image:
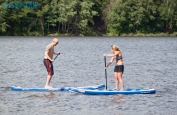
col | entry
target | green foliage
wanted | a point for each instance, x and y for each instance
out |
(65, 17)
(71, 15)
(3, 23)
(146, 16)
(86, 15)
(126, 16)
(88, 32)
(168, 14)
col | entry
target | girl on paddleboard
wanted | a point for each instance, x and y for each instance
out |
(119, 67)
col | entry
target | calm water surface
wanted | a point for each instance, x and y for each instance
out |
(149, 63)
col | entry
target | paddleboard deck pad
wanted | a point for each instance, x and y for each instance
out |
(16, 88)
(113, 92)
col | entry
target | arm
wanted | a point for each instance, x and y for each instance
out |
(57, 53)
(110, 62)
(116, 53)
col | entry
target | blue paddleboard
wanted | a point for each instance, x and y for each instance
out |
(15, 88)
(113, 92)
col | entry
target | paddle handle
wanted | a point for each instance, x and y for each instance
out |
(105, 71)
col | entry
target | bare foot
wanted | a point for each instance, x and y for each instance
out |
(48, 86)
(115, 89)
(121, 89)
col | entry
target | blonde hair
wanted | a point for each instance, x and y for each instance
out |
(55, 40)
(115, 48)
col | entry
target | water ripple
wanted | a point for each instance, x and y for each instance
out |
(149, 63)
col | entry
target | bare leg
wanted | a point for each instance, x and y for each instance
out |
(48, 82)
(116, 81)
(121, 80)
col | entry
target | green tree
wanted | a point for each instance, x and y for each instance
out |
(41, 12)
(3, 23)
(168, 13)
(71, 15)
(67, 12)
(86, 15)
(146, 16)
(126, 16)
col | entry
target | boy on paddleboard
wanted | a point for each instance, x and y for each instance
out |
(119, 67)
(48, 59)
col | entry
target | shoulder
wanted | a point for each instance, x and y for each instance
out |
(120, 53)
(48, 47)
(117, 52)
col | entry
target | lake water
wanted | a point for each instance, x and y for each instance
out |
(150, 62)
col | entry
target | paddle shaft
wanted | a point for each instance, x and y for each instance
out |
(56, 56)
(105, 71)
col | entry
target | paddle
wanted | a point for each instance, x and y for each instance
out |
(105, 71)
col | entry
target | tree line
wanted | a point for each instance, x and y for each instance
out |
(87, 17)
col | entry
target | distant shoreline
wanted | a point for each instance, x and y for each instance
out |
(103, 35)
(123, 35)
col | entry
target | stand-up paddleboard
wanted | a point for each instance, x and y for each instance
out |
(113, 92)
(15, 88)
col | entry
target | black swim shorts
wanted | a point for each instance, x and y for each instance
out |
(119, 68)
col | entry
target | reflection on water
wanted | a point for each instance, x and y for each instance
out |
(49, 95)
(118, 99)
(149, 62)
